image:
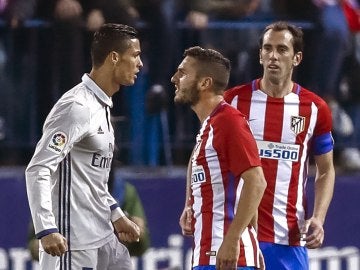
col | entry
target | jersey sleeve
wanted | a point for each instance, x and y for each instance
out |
(323, 141)
(238, 144)
(66, 124)
(116, 211)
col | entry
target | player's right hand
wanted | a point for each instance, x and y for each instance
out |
(185, 221)
(127, 230)
(54, 244)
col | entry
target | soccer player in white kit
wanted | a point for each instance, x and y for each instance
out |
(289, 123)
(227, 181)
(73, 213)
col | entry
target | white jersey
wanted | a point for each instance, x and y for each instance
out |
(67, 177)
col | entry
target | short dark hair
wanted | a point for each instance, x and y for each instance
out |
(213, 64)
(110, 37)
(297, 33)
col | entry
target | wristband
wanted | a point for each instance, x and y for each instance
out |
(116, 214)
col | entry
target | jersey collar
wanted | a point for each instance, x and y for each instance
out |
(256, 86)
(99, 93)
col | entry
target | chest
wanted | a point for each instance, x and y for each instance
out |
(99, 139)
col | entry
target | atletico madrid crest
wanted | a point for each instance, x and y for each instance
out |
(297, 124)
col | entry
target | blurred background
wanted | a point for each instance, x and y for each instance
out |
(44, 50)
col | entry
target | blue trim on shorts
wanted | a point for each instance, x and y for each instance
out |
(284, 257)
(213, 267)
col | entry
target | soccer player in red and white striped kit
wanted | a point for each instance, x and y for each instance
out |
(227, 181)
(289, 123)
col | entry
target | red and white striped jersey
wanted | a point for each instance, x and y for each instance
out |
(225, 148)
(286, 130)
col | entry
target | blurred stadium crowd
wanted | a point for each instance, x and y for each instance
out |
(44, 50)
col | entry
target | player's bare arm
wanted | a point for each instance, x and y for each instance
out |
(324, 188)
(185, 218)
(251, 194)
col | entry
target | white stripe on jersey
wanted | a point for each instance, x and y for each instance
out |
(218, 199)
(257, 112)
(249, 251)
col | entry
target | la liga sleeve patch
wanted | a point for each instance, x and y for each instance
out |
(57, 142)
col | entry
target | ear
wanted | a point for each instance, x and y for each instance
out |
(297, 59)
(114, 56)
(206, 82)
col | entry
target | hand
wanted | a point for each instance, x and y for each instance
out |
(228, 254)
(314, 233)
(55, 244)
(127, 231)
(185, 221)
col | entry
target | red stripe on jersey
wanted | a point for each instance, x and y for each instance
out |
(242, 259)
(244, 104)
(272, 132)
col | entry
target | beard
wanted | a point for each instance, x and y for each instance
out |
(188, 96)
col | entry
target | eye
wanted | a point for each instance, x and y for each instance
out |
(283, 49)
(267, 48)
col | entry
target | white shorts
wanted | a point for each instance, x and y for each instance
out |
(112, 256)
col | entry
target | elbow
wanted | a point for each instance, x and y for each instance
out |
(262, 185)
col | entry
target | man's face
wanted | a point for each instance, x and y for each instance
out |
(185, 81)
(277, 55)
(129, 64)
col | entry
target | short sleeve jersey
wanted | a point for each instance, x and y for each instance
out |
(225, 148)
(286, 130)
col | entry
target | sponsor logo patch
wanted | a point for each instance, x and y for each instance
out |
(57, 142)
(197, 175)
(279, 151)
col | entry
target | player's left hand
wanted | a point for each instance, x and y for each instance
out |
(227, 255)
(314, 233)
(127, 230)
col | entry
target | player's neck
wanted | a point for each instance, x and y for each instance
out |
(276, 89)
(206, 106)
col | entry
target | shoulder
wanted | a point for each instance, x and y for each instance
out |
(231, 93)
(310, 96)
(75, 105)
(306, 96)
(228, 116)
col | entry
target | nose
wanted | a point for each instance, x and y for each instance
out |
(140, 63)
(273, 54)
(173, 78)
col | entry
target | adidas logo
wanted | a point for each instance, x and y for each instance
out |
(100, 131)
